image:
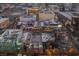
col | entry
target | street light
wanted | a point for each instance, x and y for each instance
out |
(59, 26)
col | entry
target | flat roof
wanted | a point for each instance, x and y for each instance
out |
(45, 16)
(3, 19)
(66, 14)
(69, 15)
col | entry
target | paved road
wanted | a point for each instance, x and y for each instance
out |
(36, 39)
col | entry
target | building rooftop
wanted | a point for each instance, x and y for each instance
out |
(69, 15)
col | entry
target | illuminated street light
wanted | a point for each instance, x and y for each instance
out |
(59, 25)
